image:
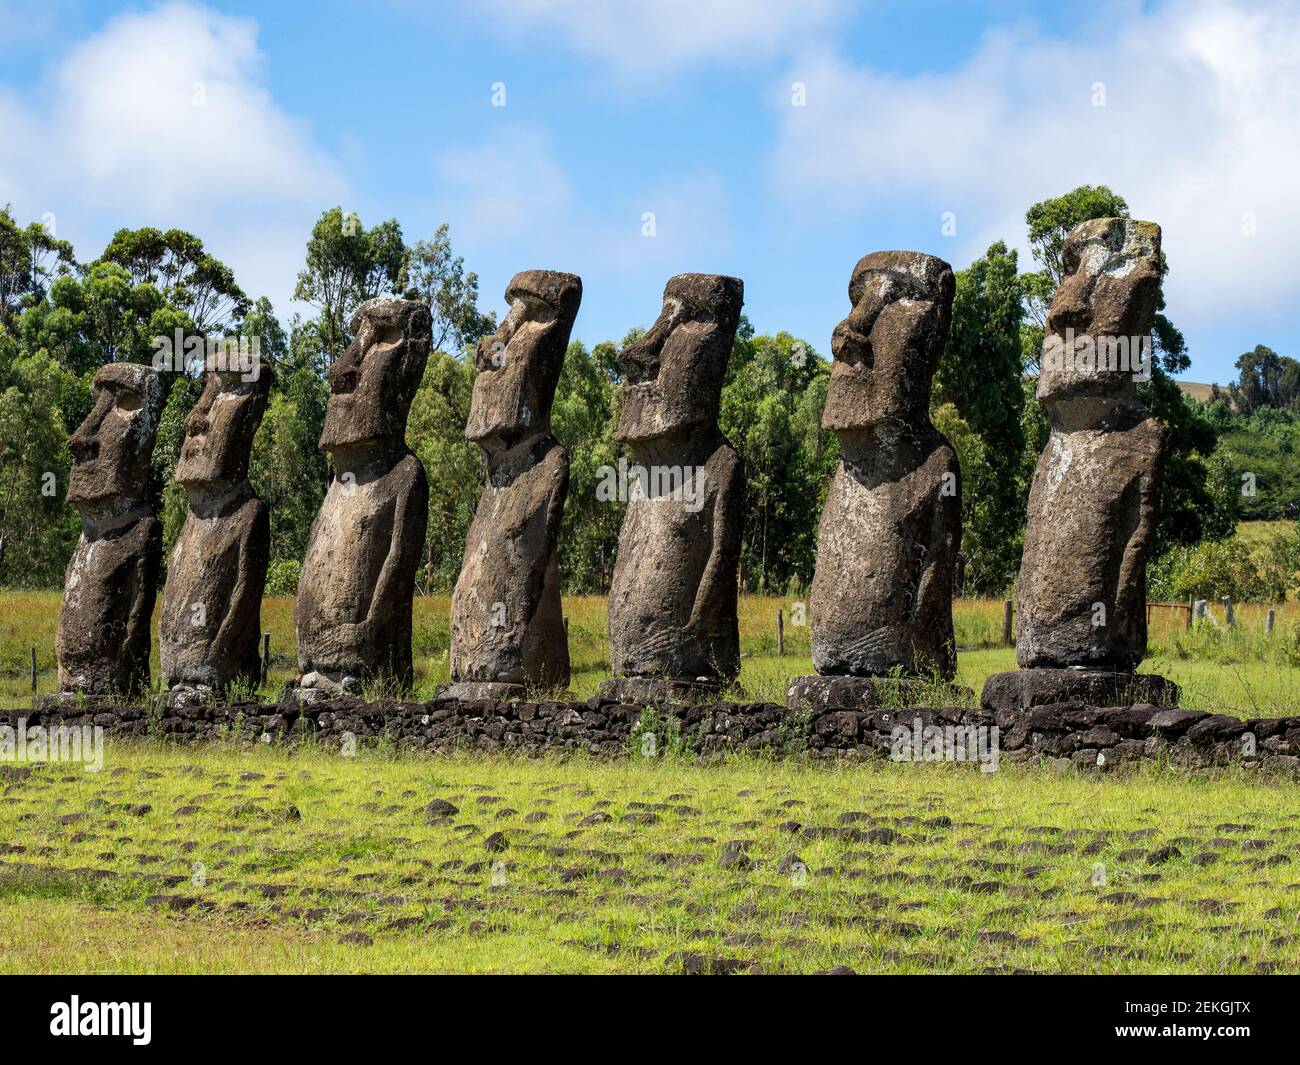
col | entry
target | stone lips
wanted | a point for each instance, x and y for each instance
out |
(881, 596)
(672, 599)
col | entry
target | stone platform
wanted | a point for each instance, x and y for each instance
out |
(654, 691)
(1065, 735)
(818, 693)
(1024, 688)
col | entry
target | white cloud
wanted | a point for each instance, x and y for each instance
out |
(162, 118)
(638, 37)
(1198, 131)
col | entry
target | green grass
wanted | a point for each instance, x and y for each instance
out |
(1035, 872)
(1238, 671)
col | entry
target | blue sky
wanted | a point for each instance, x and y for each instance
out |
(243, 121)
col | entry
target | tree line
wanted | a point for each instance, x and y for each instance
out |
(61, 319)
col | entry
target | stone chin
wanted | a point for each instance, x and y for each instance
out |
(341, 431)
(645, 416)
(93, 482)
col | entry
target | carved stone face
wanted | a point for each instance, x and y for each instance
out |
(1112, 283)
(673, 375)
(220, 427)
(112, 447)
(887, 350)
(519, 365)
(373, 382)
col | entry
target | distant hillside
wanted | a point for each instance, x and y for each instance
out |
(1200, 393)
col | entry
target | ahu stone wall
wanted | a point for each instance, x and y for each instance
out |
(1063, 735)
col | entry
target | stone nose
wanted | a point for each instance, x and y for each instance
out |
(84, 443)
(849, 344)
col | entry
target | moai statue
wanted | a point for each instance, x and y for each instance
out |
(880, 606)
(507, 625)
(673, 631)
(111, 585)
(353, 614)
(1081, 597)
(211, 610)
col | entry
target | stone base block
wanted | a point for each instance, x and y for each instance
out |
(468, 690)
(316, 686)
(1023, 688)
(181, 697)
(657, 690)
(818, 693)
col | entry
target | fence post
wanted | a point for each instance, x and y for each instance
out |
(1191, 607)
(1269, 621)
(1007, 611)
(1228, 615)
(33, 669)
(266, 657)
(780, 633)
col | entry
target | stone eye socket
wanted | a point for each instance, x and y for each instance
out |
(128, 402)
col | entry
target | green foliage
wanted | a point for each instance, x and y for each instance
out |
(436, 433)
(30, 259)
(175, 264)
(37, 531)
(1189, 512)
(431, 273)
(1267, 380)
(771, 412)
(584, 417)
(282, 577)
(980, 377)
(1228, 567)
(1265, 446)
(347, 264)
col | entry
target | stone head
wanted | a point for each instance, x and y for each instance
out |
(886, 351)
(673, 375)
(220, 427)
(519, 365)
(111, 449)
(374, 381)
(1107, 299)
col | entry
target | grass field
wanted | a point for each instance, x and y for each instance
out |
(1234, 671)
(217, 860)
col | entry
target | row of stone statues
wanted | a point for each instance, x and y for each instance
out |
(881, 599)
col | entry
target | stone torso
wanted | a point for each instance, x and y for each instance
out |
(672, 601)
(889, 534)
(109, 592)
(353, 614)
(210, 627)
(507, 623)
(1082, 594)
